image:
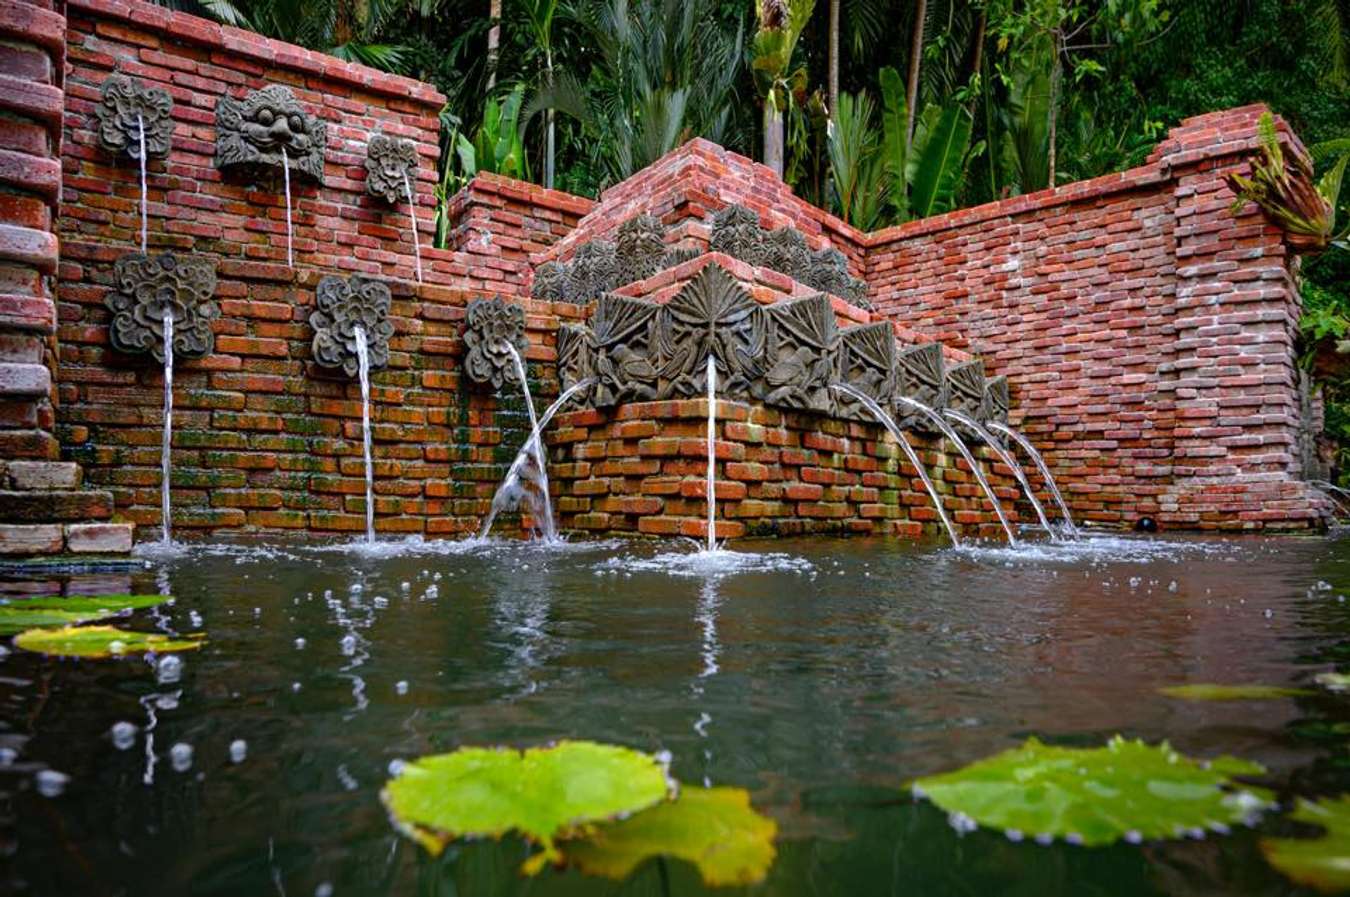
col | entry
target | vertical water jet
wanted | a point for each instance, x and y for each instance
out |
(140, 131)
(547, 530)
(165, 454)
(1042, 467)
(286, 180)
(363, 371)
(712, 454)
(412, 214)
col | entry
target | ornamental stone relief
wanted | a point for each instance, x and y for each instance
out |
(491, 327)
(641, 248)
(127, 111)
(920, 375)
(576, 354)
(391, 167)
(149, 288)
(340, 307)
(594, 270)
(865, 360)
(714, 316)
(799, 354)
(736, 232)
(966, 384)
(269, 128)
(996, 399)
(625, 359)
(550, 282)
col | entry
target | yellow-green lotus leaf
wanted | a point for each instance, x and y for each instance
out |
(540, 793)
(1207, 692)
(1322, 863)
(18, 615)
(102, 641)
(1095, 796)
(716, 829)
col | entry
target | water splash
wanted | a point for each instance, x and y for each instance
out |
(1043, 468)
(286, 178)
(975, 468)
(889, 423)
(1007, 458)
(510, 492)
(363, 369)
(166, 452)
(140, 129)
(412, 213)
(712, 454)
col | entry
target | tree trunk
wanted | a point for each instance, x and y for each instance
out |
(548, 124)
(834, 58)
(978, 59)
(773, 137)
(1056, 73)
(494, 41)
(915, 58)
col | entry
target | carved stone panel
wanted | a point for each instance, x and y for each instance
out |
(865, 360)
(996, 399)
(149, 288)
(921, 376)
(492, 325)
(829, 272)
(799, 356)
(550, 282)
(786, 251)
(641, 248)
(576, 354)
(127, 105)
(712, 315)
(340, 307)
(679, 255)
(391, 167)
(594, 270)
(625, 359)
(736, 232)
(252, 133)
(966, 388)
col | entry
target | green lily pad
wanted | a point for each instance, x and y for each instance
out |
(1206, 692)
(716, 829)
(1333, 682)
(16, 616)
(102, 641)
(1095, 796)
(1322, 863)
(540, 793)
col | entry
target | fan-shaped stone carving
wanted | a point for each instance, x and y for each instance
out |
(736, 232)
(786, 251)
(550, 282)
(594, 270)
(996, 399)
(680, 255)
(267, 127)
(391, 167)
(829, 272)
(126, 107)
(799, 356)
(865, 360)
(576, 354)
(624, 359)
(966, 388)
(149, 288)
(340, 307)
(640, 248)
(712, 315)
(920, 374)
(492, 326)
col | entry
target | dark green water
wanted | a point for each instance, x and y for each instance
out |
(820, 692)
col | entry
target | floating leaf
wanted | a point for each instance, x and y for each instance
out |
(1323, 863)
(1334, 682)
(16, 616)
(102, 641)
(714, 828)
(1206, 692)
(541, 793)
(1094, 796)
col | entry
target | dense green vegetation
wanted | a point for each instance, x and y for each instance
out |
(936, 104)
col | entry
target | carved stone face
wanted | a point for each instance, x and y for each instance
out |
(391, 166)
(267, 129)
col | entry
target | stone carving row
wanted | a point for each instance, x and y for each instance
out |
(340, 307)
(491, 327)
(788, 354)
(268, 129)
(391, 168)
(150, 288)
(130, 112)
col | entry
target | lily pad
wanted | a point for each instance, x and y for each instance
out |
(16, 616)
(102, 641)
(1334, 682)
(1323, 863)
(1207, 692)
(1096, 796)
(716, 829)
(541, 793)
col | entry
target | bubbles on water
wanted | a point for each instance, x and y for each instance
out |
(51, 783)
(348, 644)
(195, 619)
(961, 822)
(123, 735)
(300, 644)
(401, 686)
(396, 767)
(1134, 837)
(117, 647)
(295, 686)
(167, 702)
(707, 564)
(180, 756)
(323, 890)
(7, 756)
(4, 652)
(1268, 613)
(405, 585)
(169, 669)
(238, 750)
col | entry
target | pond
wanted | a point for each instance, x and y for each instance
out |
(821, 681)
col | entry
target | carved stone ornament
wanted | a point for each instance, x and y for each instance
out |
(576, 354)
(679, 255)
(493, 325)
(799, 355)
(340, 306)
(920, 374)
(594, 270)
(828, 271)
(391, 167)
(148, 288)
(736, 232)
(550, 282)
(786, 251)
(996, 399)
(625, 350)
(126, 106)
(966, 384)
(865, 360)
(253, 132)
(712, 315)
(641, 248)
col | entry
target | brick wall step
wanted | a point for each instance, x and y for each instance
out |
(27, 476)
(56, 506)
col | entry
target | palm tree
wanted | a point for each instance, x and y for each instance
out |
(780, 25)
(540, 13)
(494, 41)
(347, 29)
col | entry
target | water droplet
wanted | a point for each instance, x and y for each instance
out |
(166, 702)
(51, 783)
(238, 750)
(117, 646)
(405, 585)
(324, 890)
(8, 756)
(123, 735)
(401, 686)
(180, 755)
(295, 686)
(195, 619)
(1172, 586)
(169, 669)
(396, 766)
(349, 644)
(1134, 837)
(1268, 613)
(300, 644)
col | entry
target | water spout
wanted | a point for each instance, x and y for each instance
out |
(509, 488)
(166, 451)
(712, 454)
(1007, 458)
(286, 178)
(535, 445)
(412, 213)
(889, 423)
(363, 369)
(1042, 467)
(140, 126)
